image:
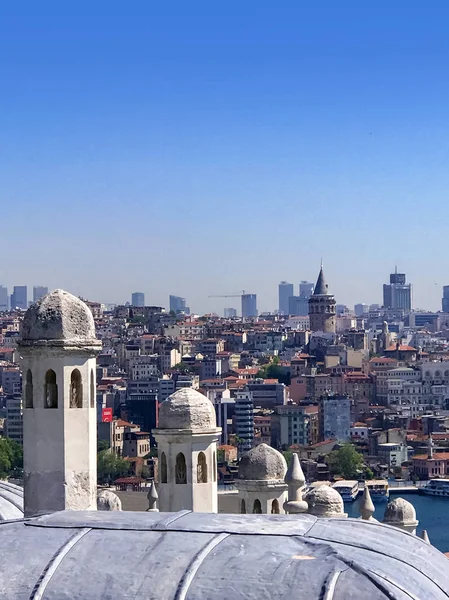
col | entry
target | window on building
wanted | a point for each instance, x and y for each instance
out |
(180, 469)
(29, 390)
(92, 389)
(76, 390)
(243, 507)
(257, 507)
(50, 390)
(275, 507)
(201, 468)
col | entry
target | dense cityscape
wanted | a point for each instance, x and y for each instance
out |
(306, 379)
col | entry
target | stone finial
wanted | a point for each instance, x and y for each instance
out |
(107, 500)
(152, 499)
(367, 506)
(425, 536)
(295, 480)
(400, 513)
(324, 501)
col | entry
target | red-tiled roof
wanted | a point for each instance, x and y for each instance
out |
(436, 456)
(402, 348)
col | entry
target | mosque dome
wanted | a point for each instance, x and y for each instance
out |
(324, 501)
(76, 554)
(262, 463)
(400, 512)
(58, 317)
(187, 409)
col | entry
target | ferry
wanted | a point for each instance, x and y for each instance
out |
(347, 489)
(378, 489)
(437, 487)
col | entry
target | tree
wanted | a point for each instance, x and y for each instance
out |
(183, 367)
(274, 371)
(11, 458)
(102, 445)
(346, 461)
(110, 466)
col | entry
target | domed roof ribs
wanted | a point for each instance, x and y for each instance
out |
(321, 288)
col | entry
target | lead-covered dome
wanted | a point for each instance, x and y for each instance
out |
(58, 317)
(262, 463)
(187, 409)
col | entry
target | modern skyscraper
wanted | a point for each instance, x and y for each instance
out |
(230, 313)
(285, 292)
(19, 297)
(398, 293)
(249, 305)
(178, 305)
(445, 300)
(138, 299)
(3, 298)
(298, 306)
(39, 291)
(322, 307)
(306, 289)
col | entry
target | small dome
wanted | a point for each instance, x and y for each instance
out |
(107, 500)
(58, 316)
(262, 463)
(324, 501)
(187, 409)
(400, 512)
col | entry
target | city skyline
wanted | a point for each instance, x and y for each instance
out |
(265, 303)
(300, 132)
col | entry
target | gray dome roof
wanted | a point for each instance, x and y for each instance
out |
(262, 463)
(11, 501)
(58, 317)
(400, 512)
(187, 409)
(324, 501)
(108, 554)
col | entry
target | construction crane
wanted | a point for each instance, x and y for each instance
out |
(229, 295)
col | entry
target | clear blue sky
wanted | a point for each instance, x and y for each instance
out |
(207, 147)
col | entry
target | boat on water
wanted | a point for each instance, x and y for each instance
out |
(378, 489)
(437, 487)
(347, 489)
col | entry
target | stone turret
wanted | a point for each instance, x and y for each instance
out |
(260, 482)
(58, 347)
(187, 448)
(324, 501)
(400, 513)
(367, 507)
(322, 307)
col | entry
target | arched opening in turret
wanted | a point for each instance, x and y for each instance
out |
(92, 389)
(243, 507)
(76, 390)
(215, 466)
(275, 507)
(201, 469)
(257, 507)
(163, 468)
(50, 390)
(29, 390)
(180, 469)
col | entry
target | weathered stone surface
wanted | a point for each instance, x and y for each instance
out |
(262, 463)
(400, 512)
(187, 409)
(58, 316)
(107, 500)
(324, 501)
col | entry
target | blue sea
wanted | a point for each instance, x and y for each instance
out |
(432, 514)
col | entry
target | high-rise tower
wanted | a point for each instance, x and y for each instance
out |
(322, 307)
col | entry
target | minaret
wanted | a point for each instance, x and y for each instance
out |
(59, 346)
(322, 307)
(187, 438)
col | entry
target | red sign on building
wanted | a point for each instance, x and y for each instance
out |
(106, 415)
